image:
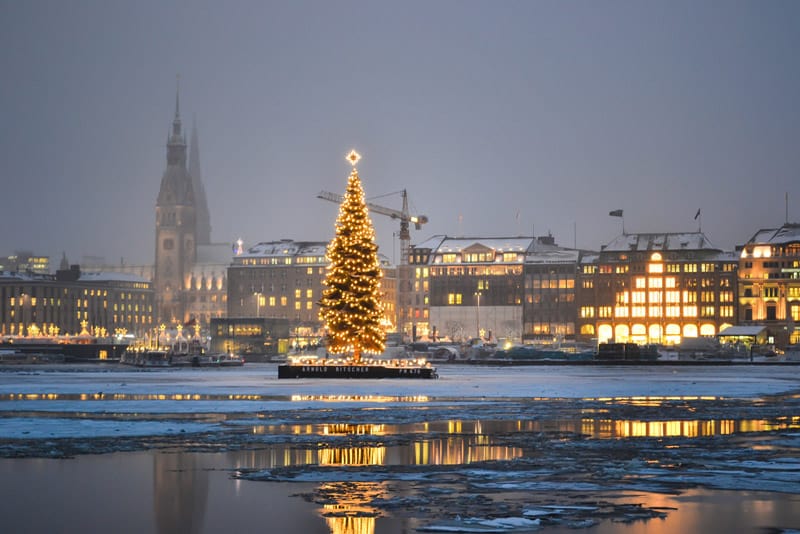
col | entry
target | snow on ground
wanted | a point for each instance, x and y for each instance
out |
(455, 381)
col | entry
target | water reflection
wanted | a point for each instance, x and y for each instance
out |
(352, 512)
(180, 492)
(476, 432)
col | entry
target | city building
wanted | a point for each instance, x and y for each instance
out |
(656, 288)
(24, 261)
(105, 303)
(254, 338)
(549, 307)
(476, 287)
(769, 283)
(283, 279)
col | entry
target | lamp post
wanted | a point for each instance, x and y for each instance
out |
(478, 314)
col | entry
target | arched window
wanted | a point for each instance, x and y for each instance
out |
(621, 333)
(587, 330)
(656, 333)
(673, 336)
(690, 330)
(707, 330)
(604, 333)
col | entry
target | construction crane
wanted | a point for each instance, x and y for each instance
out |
(403, 215)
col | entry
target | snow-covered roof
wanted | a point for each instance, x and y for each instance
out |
(788, 233)
(552, 255)
(108, 276)
(654, 242)
(499, 244)
(286, 248)
(742, 331)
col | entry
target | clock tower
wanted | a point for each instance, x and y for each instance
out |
(176, 229)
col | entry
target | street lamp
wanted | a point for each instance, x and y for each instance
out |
(478, 314)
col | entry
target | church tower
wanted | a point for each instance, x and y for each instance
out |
(176, 229)
(200, 202)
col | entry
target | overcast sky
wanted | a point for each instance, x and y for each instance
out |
(500, 118)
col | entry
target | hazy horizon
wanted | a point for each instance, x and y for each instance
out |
(498, 118)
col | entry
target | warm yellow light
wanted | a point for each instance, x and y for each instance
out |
(353, 157)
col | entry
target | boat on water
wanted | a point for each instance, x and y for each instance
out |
(181, 353)
(70, 349)
(311, 366)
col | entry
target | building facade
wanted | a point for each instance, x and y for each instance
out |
(769, 283)
(106, 303)
(656, 288)
(283, 279)
(549, 308)
(25, 262)
(477, 288)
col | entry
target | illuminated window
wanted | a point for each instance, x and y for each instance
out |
(655, 311)
(690, 311)
(655, 282)
(673, 297)
(655, 268)
(707, 311)
(284, 301)
(726, 311)
(673, 311)
(622, 297)
(669, 282)
(454, 298)
(621, 311)
(587, 312)
(272, 301)
(638, 297)
(690, 268)
(309, 293)
(638, 311)
(707, 267)
(604, 311)
(655, 297)
(640, 282)
(309, 304)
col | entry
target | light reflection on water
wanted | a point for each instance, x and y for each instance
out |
(596, 428)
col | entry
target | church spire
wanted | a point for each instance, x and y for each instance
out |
(176, 144)
(200, 202)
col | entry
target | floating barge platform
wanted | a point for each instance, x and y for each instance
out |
(314, 368)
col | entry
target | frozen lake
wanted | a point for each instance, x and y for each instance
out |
(482, 449)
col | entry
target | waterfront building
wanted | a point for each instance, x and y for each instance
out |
(769, 283)
(33, 305)
(283, 279)
(414, 292)
(476, 287)
(549, 307)
(254, 338)
(656, 288)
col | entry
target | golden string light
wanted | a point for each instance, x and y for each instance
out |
(350, 305)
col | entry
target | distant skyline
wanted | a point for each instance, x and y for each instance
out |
(499, 118)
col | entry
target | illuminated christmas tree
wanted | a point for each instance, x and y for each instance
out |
(350, 305)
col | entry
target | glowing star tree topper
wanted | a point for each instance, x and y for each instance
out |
(350, 305)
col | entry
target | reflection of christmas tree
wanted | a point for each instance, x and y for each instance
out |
(350, 304)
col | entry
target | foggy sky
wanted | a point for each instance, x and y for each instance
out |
(499, 117)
